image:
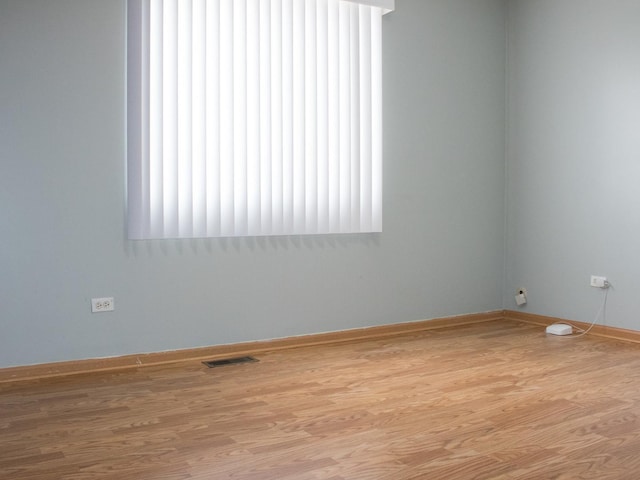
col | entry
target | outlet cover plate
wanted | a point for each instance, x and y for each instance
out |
(103, 304)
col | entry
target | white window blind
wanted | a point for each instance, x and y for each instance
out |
(254, 117)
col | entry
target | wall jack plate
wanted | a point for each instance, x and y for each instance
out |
(521, 297)
(105, 304)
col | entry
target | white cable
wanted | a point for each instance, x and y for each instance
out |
(603, 310)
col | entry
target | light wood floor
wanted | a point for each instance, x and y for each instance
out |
(497, 400)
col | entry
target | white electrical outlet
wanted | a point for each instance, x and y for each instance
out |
(105, 304)
(599, 282)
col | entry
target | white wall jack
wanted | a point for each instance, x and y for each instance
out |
(105, 304)
(521, 296)
(599, 282)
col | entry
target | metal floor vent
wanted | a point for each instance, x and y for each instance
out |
(229, 361)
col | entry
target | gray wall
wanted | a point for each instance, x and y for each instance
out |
(574, 157)
(62, 198)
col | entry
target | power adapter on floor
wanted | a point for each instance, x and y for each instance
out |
(559, 329)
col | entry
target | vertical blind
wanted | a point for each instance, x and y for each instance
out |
(254, 117)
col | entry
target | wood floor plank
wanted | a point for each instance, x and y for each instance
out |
(498, 400)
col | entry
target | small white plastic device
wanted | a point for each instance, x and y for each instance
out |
(559, 329)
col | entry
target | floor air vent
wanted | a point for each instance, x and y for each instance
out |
(229, 361)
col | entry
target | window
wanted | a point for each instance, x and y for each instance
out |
(254, 117)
